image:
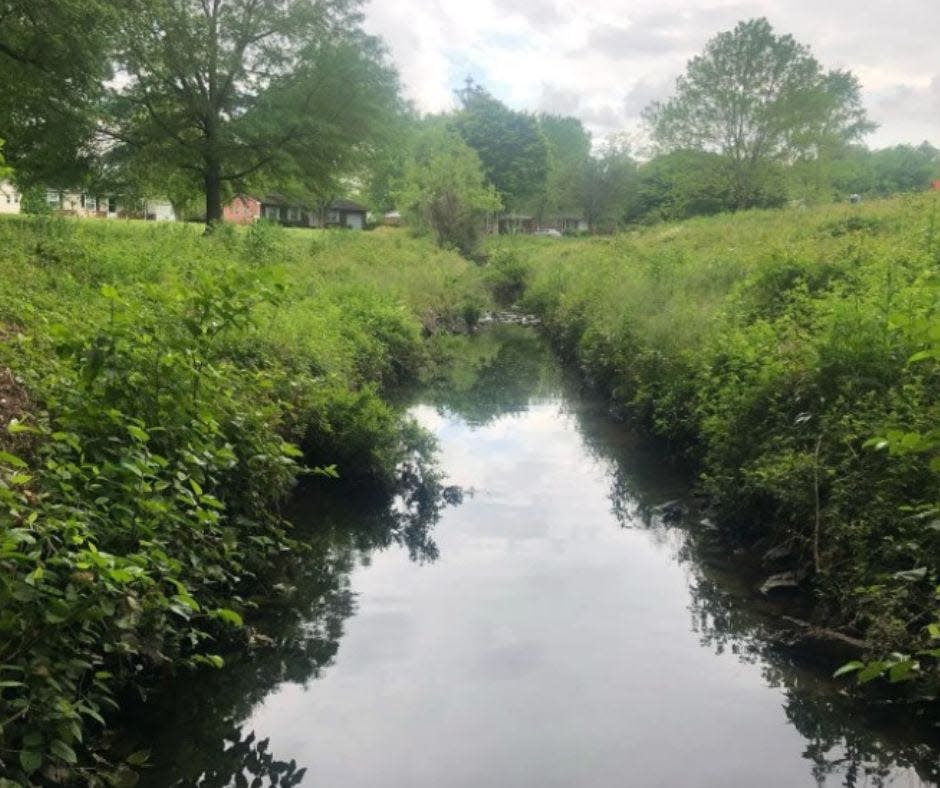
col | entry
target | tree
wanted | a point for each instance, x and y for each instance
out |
(54, 59)
(604, 186)
(510, 145)
(904, 168)
(758, 99)
(681, 184)
(569, 150)
(225, 90)
(445, 190)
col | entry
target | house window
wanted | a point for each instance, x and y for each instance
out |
(89, 203)
(54, 199)
(293, 214)
(332, 217)
(270, 212)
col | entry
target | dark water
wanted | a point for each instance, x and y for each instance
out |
(550, 630)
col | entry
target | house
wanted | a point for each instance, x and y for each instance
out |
(570, 223)
(246, 208)
(9, 198)
(111, 206)
(345, 213)
(392, 219)
(243, 209)
(513, 223)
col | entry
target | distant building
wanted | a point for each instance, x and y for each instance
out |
(522, 223)
(392, 218)
(109, 206)
(246, 208)
(935, 185)
(345, 213)
(243, 209)
(9, 198)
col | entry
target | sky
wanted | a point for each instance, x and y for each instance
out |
(604, 61)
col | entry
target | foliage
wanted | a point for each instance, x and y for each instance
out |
(770, 349)
(444, 191)
(167, 379)
(604, 186)
(510, 145)
(222, 91)
(52, 67)
(758, 98)
(569, 151)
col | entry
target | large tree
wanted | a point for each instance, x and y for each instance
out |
(757, 99)
(228, 90)
(54, 59)
(510, 145)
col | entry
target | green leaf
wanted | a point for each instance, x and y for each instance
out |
(138, 758)
(912, 575)
(11, 459)
(136, 432)
(62, 751)
(902, 671)
(848, 667)
(30, 760)
(871, 671)
(230, 616)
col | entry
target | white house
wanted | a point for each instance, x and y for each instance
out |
(9, 198)
(85, 204)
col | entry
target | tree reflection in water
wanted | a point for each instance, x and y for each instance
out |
(197, 734)
(195, 727)
(847, 742)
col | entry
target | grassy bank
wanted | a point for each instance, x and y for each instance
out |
(160, 391)
(792, 356)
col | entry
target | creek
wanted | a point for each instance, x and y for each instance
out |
(551, 626)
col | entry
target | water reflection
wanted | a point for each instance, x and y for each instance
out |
(852, 743)
(493, 374)
(539, 644)
(196, 728)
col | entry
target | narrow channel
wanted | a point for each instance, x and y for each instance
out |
(552, 628)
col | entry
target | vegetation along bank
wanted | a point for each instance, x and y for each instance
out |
(793, 357)
(160, 391)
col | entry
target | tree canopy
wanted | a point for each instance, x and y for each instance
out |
(227, 90)
(757, 98)
(54, 60)
(510, 145)
(445, 189)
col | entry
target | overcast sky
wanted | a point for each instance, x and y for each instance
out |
(604, 61)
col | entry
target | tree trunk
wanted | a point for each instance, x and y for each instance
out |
(213, 179)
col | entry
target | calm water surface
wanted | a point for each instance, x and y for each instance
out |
(550, 630)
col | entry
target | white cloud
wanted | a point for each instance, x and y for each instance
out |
(604, 61)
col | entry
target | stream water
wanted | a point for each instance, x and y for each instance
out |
(549, 629)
